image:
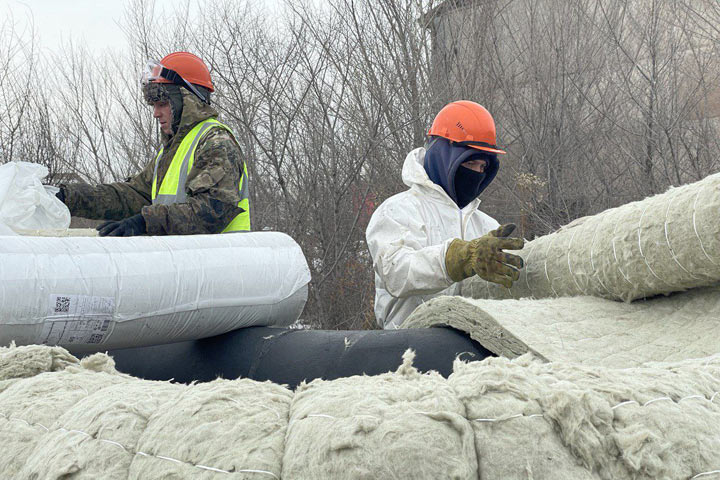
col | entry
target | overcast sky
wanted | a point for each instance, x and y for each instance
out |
(94, 21)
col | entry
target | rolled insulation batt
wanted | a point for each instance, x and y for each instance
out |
(97, 293)
(584, 330)
(666, 243)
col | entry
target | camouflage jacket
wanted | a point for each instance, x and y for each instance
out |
(211, 187)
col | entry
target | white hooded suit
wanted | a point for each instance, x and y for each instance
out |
(408, 236)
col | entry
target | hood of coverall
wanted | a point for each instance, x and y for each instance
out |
(442, 163)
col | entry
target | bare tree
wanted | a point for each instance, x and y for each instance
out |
(598, 102)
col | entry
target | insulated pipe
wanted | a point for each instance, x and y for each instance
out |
(288, 356)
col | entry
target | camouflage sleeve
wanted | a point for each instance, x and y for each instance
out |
(110, 201)
(212, 189)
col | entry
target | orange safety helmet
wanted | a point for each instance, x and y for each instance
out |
(466, 123)
(190, 67)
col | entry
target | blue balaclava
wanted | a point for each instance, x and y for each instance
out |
(442, 164)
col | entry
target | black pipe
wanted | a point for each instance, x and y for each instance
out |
(288, 356)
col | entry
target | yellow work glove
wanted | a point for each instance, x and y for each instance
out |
(485, 258)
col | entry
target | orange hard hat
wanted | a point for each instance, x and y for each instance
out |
(466, 123)
(190, 67)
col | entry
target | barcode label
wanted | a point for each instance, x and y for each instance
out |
(62, 304)
(78, 319)
(80, 305)
(74, 331)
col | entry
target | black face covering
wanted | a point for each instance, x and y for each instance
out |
(443, 161)
(468, 185)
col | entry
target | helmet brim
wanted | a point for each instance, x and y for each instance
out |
(488, 149)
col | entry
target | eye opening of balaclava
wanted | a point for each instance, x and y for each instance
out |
(443, 160)
(169, 92)
(165, 92)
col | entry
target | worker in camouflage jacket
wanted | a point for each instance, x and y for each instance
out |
(196, 184)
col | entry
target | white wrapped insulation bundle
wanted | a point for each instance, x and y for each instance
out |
(92, 294)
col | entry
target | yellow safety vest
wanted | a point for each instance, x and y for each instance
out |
(172, 189)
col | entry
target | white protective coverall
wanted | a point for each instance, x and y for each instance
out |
(408, 236)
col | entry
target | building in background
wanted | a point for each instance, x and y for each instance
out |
(598, 102)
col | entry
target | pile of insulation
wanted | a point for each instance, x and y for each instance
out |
(499, 418)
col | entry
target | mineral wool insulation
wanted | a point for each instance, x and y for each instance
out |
(585, 330)
(499, 418)
(665, 243)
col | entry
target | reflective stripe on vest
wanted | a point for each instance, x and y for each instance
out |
(172, 188)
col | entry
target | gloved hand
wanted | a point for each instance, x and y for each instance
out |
(485, 258)
(61, 194)
(129, 227)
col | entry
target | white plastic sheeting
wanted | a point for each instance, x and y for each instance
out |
(25, 203)
(90, 294)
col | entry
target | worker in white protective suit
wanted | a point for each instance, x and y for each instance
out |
(427, 239)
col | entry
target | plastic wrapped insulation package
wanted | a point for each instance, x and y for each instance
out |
(94, 294)
(25, 203)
